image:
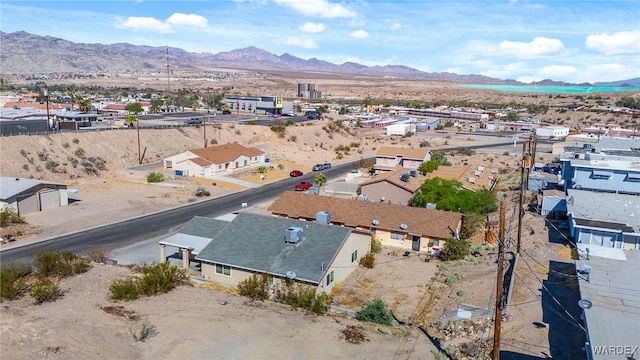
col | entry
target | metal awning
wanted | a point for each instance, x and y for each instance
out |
(602, 173)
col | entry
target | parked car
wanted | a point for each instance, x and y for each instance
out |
(226, 112)
(318, 167)
(295, 173)
(194, 121)
(326, 165)
(303, 186)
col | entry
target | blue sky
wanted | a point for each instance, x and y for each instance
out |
(573, 41)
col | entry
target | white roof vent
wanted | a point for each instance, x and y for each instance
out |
(375, 222)
(291, 275)
(403, 226)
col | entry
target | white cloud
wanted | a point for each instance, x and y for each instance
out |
(508, 71)
(136, 23)
(320, 8)
(395, 26)
(312, 27)
(623, 42)
(189, 20)
(557, 72)
(305, 43)
(359, 34)
(538, 47)
(150, 24)
(609, 72)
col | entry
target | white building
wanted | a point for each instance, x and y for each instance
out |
(552, 131)
(400, 129)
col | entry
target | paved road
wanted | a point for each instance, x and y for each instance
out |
(134, 230)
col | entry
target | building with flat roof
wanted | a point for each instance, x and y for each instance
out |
(610, 300)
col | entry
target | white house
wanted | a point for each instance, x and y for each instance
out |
(214, 160)
(552, 131)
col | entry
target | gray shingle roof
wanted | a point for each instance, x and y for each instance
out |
(11, 186)
(256, 242)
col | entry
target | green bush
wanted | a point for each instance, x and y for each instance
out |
(56, 263)
(376, 245)
(256, 287)
(302, 296)
(157, 278)
(12, 282)
(10, 216)
(375, 311)
(154, 177)
(96, 254)
(455, 249)
(147, 331)
(124, 290)
(452, 279)
(45, 290)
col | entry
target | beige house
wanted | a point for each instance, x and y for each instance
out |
(387, 158)
(394, 187)
(404, 227)
(213, 160)
(316, 254)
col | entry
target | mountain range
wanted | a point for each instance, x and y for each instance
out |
(24, 53)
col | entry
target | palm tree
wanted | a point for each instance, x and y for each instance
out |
(320, 179)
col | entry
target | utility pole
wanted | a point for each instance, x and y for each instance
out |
(499, 285)
(204, 129)
(138, 130)
(168, 71)
(45, 92)
(521, 195)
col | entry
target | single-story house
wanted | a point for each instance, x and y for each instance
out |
(404, 227)
(394, 187)
(388, 157)
(604, 219)
(316, 254)
(31, 195)
(217, 159)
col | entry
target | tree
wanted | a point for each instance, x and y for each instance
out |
(438, 156)
(455, 249)
(512, 116)
(320, 179)
(155, 105)
(130, 119)
(375, 311)
(134, 107)
(428, 167)
(449, 195)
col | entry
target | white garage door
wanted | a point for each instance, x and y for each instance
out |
(27, 204)
(49, 199)
(207, 171)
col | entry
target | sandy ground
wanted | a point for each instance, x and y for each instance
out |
(192, 322)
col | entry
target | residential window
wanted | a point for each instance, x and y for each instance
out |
(397, 235)
(598, 174)
(330, 278)
(245, 163)
(270, 280)
(220, 167)
(354, 256)
(633, 177)
(436, 242)
(223, 270)
(237, 164)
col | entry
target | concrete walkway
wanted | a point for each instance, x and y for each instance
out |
(233, 181)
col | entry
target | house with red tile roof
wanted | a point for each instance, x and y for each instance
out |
(403, 227)
(213, 160)
(388, 157)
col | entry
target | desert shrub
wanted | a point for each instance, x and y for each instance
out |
(293, 138)
(213, 141)
(256, 287)
(460, 293)
(148, 330)
(425, 143)
(251, 122)
(52, 166)
(159, 278)
(367, 261)
(506, 153)
(79, 152)
(455, 249)
(75, 141)
(45, 290)
(12, 282)
(471, 224)
(96, 254)
(354, 334)
(466, 151)
(454, 278)
(9, 215)
(65, 145)
(302, 296)
(261, 169)
(376, 245)
(43, 155)
(154, 177)
(124, 290)
(375, 311)
(56, 263)
(206, 193)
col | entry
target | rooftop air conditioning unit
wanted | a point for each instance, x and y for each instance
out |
(293, 235)
(323, 217)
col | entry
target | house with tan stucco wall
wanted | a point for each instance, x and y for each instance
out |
(213, 160)
(389, 157)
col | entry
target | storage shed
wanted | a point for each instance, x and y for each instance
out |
(30, 195)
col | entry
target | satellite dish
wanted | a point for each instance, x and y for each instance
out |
(403, 226)
(586, 268)
(585, 304)
(375, 222)
(290, 275)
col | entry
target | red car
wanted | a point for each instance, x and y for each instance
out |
(303, 186)
(295, 173)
